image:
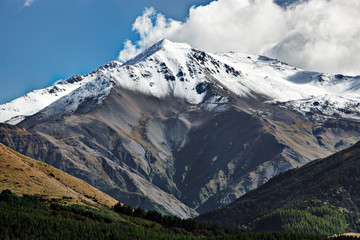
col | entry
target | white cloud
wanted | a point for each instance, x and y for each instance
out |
(28, 3)
(321, 35)
(129, 51)
(151, 27)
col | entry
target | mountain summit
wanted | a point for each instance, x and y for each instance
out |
(184, 131)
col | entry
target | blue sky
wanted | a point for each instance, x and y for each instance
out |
(55, 39)
(42, 41)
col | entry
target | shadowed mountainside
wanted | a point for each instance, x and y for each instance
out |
(321, 197)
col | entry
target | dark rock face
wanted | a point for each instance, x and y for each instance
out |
(220, 150)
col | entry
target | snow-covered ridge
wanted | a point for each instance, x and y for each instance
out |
(178, 70)
(31, 103)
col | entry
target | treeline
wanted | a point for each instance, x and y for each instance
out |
(28, 218)
(168, 221)
(210, 230)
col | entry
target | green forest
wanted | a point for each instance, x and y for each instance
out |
(28, 217)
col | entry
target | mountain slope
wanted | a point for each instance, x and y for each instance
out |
(23, 175)
(330, 184)
(183, 131)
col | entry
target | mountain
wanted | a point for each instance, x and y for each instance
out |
(323, 196)
(23, 175)
(183, 131)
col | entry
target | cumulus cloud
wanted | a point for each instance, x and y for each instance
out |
(28, 3)
(320, 35)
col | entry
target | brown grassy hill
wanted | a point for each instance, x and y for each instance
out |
(23, 175)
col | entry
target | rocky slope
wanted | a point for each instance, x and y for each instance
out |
(184, 131)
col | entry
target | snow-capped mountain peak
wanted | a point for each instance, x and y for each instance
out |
(163, 45)
(169, 69)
